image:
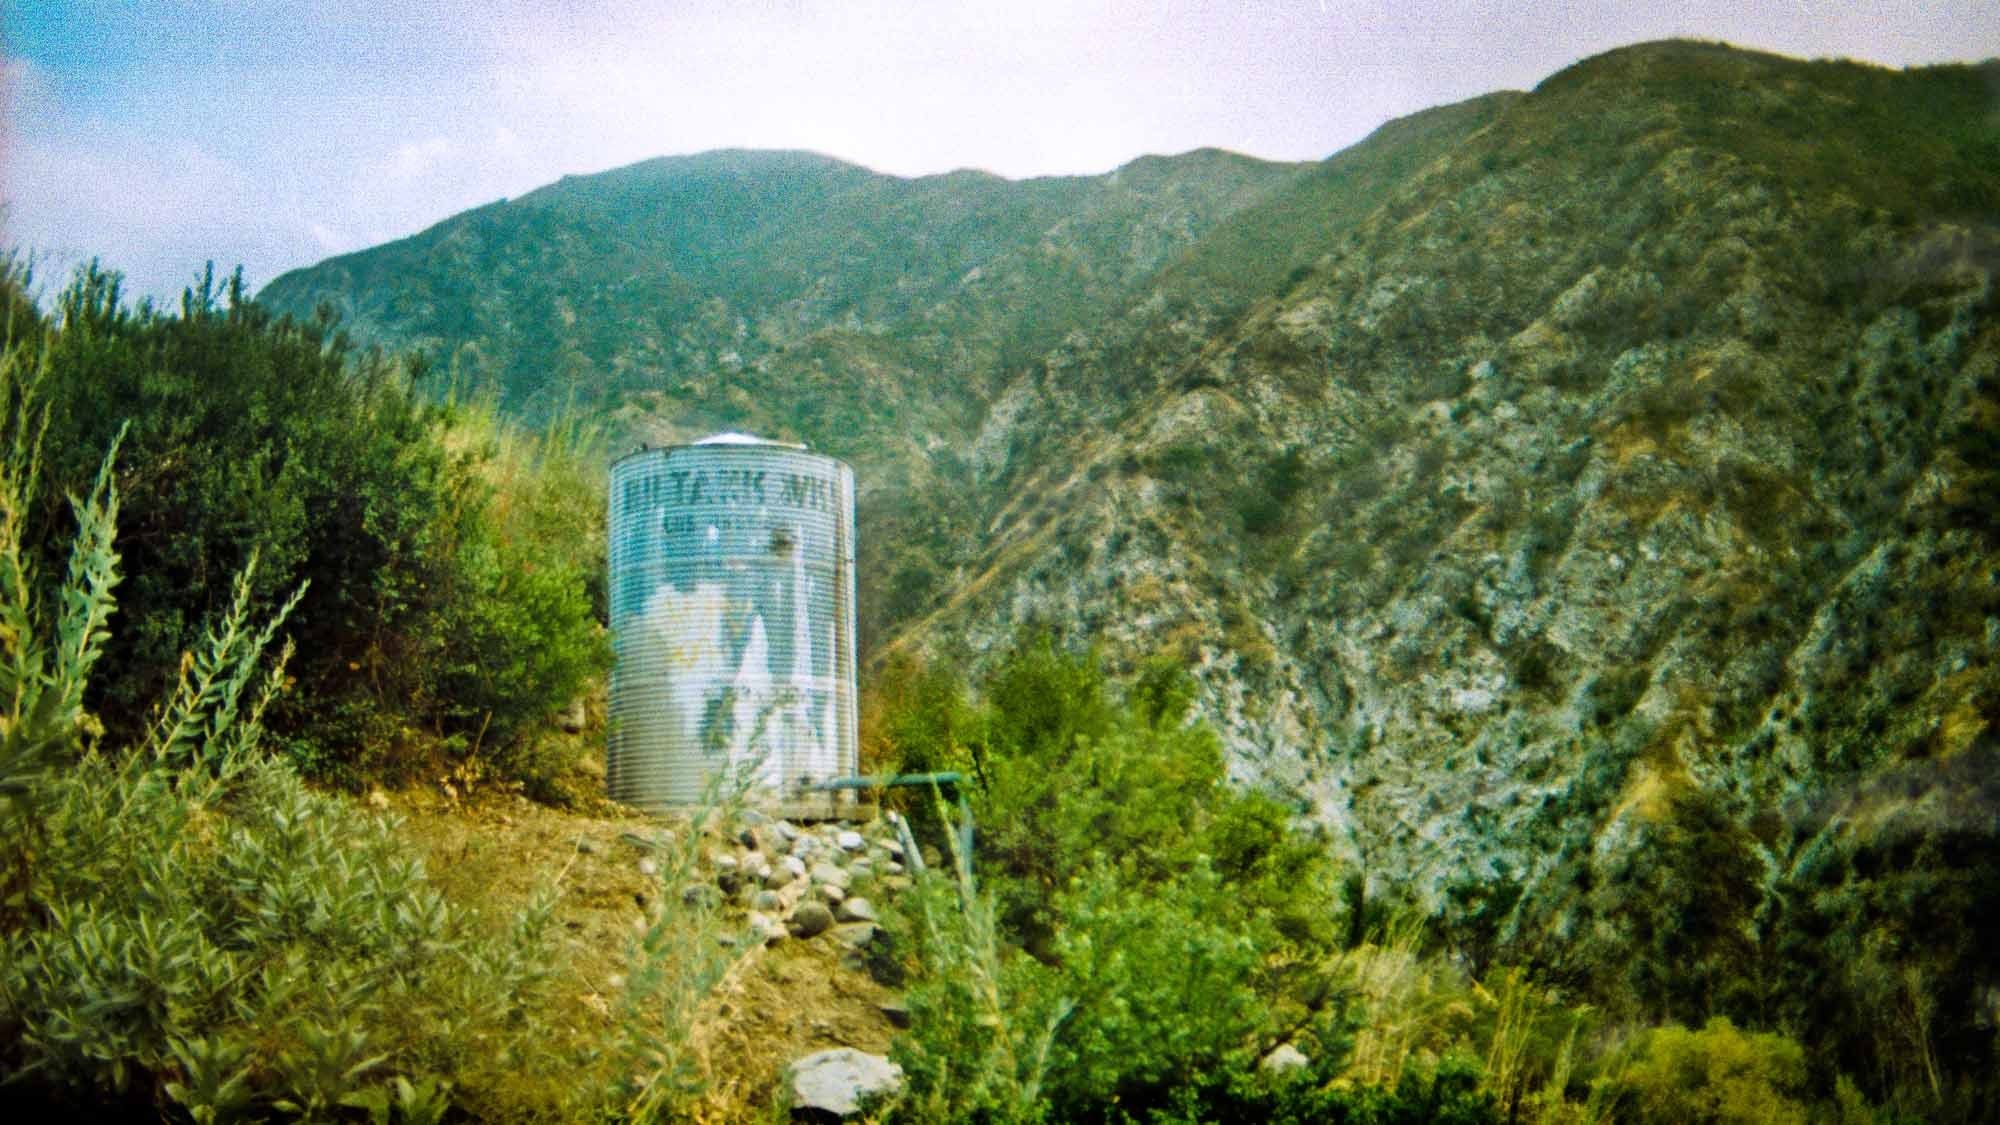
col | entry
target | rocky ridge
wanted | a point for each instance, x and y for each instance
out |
(1628, 455)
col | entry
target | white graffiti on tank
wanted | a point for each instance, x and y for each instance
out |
(762, 728)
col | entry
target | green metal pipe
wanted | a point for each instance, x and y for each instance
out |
(906, 780)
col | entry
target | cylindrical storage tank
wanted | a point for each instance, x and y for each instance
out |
(732, 621)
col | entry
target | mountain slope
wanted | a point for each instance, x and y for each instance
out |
(1632, 463)
(788, 294)
(662, 273)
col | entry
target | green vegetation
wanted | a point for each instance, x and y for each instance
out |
(1717, 1074)
(1579, 503)
(440, 616)
(1125, 887)
(189, 930)
(1138, 936)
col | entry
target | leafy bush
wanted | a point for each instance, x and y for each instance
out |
(1713, 1076)
(983, 1029)
(917, 719)
(1448, 1094)
(1166, 984)
(434, 609)
(1141, 923)
(267, 948)
(1074, 779)
(1680, 910)
(1153, 1013)
(1267, 500)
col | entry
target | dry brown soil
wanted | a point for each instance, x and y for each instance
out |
(494, 851)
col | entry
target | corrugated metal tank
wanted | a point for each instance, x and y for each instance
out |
(732, 620)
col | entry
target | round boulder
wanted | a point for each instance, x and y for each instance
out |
(811, 918)
(837, 1081)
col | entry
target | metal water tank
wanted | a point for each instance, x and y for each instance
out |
(732, 621)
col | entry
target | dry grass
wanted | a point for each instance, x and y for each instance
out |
(493, 851)
(1413, 1011)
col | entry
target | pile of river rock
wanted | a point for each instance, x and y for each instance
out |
(803, 882)
(796, 881)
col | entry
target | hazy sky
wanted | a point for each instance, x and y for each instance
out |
(158, 134)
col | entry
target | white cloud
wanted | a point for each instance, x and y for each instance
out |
(23, 89)
(330, 240)
(415, 158)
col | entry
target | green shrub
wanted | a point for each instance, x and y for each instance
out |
(1447, 1094)
(1072, 774)
(1148, 993)
(917, 719)
(42, 682)
(1675, 917)
(1714, 1076)
(1141, 924)
(269, 948)
(1267, 501)
(437, 605)
(1165, 983)
(982, 1024)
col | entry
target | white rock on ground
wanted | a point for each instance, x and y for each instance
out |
(1284, 1059)
(763, 927)
(831, 875)
(850, 840)
(836, 1081)
(856, 909)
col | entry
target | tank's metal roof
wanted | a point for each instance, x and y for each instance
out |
(728, 439)
(731, 437)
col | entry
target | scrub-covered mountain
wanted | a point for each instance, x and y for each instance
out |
(1580, 502)
(787, 294)
(1650, 430)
